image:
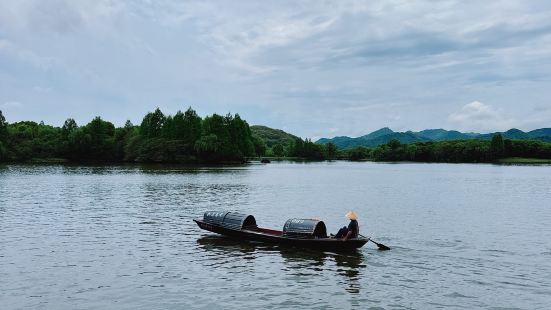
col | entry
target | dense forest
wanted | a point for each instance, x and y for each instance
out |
(187, 138)
(184, 137)
(277, 141)
(282, 144)
(453, 151)
(456, 151)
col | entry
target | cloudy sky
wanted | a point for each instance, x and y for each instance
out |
(313, 68)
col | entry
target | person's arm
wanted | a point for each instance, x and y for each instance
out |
(348, 235)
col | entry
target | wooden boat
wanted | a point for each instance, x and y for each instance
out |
(302, 233)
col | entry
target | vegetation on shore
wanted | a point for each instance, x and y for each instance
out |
(280, 144)
(187, 138)
(456, 151)
(181, 138)
(452, 151)
(522, 160)
(273, 138)
(184, 137)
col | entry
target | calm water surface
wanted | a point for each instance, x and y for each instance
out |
(122, 237)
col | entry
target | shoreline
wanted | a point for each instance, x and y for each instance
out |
(257, 160)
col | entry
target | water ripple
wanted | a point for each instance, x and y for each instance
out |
(96, 237)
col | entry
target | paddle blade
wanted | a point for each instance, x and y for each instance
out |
(382, 247)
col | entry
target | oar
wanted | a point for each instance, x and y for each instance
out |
(381, 246)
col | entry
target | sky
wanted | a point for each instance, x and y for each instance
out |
(312, 68)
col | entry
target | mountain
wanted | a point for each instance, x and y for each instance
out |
(337, 140)
(273, 136)
(378, 133)
(442, 134)
(403, 137)
(384, 135)
(514, 134)
(375, 138)
(542, 132)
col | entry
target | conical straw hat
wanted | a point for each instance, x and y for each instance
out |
(351, 215)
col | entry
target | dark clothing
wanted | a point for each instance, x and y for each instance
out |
(342, 233)
(353, 227)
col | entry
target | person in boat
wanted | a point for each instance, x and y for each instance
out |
(353, 229)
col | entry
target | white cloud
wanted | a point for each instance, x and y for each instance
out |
(60, 16)
(478, 116)
(24, 55)
(239, 41)
(308, 66)
(11, 104)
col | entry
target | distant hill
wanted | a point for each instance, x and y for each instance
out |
(441, 134)
(273, 136)
(403, 137)
(542, 132)
(378, 133)
(344, 141)
(384, 135)
(509, 134)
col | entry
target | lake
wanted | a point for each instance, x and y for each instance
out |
(463, 236)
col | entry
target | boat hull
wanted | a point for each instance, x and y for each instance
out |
(326, 244)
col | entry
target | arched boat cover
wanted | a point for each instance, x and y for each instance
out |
(304, 228)
(232, 220)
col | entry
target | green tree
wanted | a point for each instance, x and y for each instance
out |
(208, 146)
(306, 149)
(2, 152)
(358, 153)
(68, 126)
(179, 125)
(3, 136)
(312, 150)
(497, 146)
(168, 128)
(330, 150)
(394, 144)
(186, 128)
(191, 130)
(259, 146)
(297, 148)
(152, 124)
(215, 142)
(240, 135)
(95, 141)
(278, 150)
(128, 125)
(3, 127)
(122, 139)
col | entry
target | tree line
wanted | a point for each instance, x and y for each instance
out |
(187, 138)
(455, 151)
(183, 137)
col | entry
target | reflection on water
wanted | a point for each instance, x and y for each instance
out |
(303, 262)
(220, 247)
(350, 266)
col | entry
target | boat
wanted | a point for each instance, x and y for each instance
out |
(300, 233)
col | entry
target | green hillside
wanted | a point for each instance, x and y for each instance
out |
(384, 135)
(443, 135)
(272, 136)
